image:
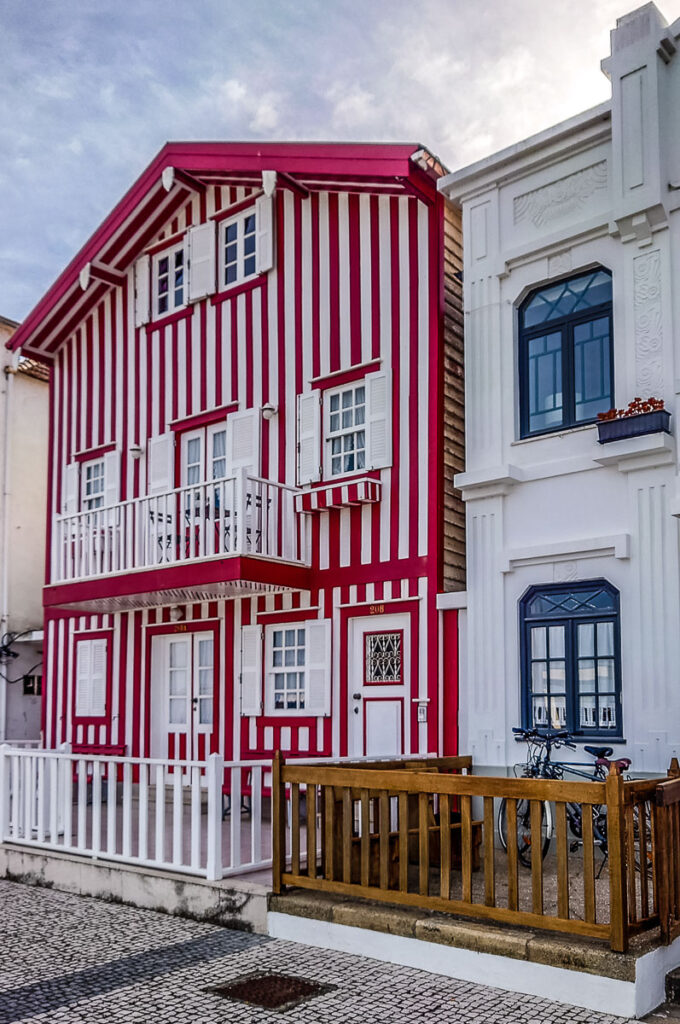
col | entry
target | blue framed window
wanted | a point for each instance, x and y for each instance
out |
(566, 372)
(571, 658)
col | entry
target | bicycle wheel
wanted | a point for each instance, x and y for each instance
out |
(523, 836)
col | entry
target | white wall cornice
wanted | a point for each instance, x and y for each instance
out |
(617, 544)
(567, 138)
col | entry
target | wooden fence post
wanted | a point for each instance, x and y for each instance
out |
(618, 896)
(673, 769)
(278, 822)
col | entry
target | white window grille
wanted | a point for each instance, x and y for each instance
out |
(239, 248)
(93, 485)
(288, 664)
(169, 280)
(346, 434)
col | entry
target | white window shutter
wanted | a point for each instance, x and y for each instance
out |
(251, 670)
(71, 486)
(83, 677)
(161, 463)
(98, 678)
(111, 478)
(309, 437)
(264, 226)
(142, 291)
(243, 441)
(318, 667)
(201, 251)
(379, 420)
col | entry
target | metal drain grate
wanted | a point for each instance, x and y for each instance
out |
(272, 991)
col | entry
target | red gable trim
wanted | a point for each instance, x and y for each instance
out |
(131, 223)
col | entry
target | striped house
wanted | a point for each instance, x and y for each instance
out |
(256, 386)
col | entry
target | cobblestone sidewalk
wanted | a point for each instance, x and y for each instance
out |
(70, 959)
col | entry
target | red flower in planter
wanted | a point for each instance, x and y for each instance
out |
(635, 408)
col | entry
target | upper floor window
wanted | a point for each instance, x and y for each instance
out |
(346, 429)
(238, 248)
(565, 353)
(169, 280)
(571, 665)
(93, 484)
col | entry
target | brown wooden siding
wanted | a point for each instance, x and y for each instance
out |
(452, 369)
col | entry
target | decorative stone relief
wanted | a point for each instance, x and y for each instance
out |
(560, 263)
(565, 572)
(560, 198)
(648, 324)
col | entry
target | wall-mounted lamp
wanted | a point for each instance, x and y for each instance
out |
(269, 411)
(136, 451)
(176, 614)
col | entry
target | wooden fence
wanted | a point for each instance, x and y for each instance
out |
(408, 834)
(667, 820)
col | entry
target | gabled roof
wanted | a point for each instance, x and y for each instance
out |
(141, 213)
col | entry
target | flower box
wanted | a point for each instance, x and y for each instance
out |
(633, 426)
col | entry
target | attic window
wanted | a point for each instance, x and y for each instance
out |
(168, 280)
(238, 248)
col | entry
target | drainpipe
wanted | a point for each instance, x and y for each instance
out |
(9, 370)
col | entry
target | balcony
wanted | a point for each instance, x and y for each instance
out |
(236, 536)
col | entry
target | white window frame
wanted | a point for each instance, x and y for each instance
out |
(169, 254)
(84, 702)
(92, 500)
(239, 220)
(330, 435)
(271, 670)
(205, 437)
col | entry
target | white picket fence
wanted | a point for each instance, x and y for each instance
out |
(173, 815)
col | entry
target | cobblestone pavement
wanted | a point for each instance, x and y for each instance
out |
(77, 960)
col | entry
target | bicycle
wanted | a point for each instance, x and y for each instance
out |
(539, 765)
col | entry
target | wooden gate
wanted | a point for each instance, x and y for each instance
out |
(668, 855)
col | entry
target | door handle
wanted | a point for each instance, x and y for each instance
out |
(356, 696)
(194, 701)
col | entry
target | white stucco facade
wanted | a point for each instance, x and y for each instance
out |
(602, 189)
(23, 475)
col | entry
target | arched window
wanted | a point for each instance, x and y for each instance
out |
(571, 662)
(566, 370)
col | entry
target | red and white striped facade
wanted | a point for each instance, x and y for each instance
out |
(356, 287)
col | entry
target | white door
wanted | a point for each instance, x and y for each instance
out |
(183, 697)
(379, 685)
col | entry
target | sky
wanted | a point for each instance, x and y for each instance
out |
(91, 89)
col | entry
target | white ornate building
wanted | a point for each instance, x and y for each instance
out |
(572, 248)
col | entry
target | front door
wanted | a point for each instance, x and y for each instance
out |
(183, 673)
(379, 685)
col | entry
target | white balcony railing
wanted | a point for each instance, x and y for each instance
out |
(238, 515)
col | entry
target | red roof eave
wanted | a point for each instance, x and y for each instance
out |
(368, 161)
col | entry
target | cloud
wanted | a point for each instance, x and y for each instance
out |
(93, 88)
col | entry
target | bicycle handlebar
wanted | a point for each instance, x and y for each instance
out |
(549, 736)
